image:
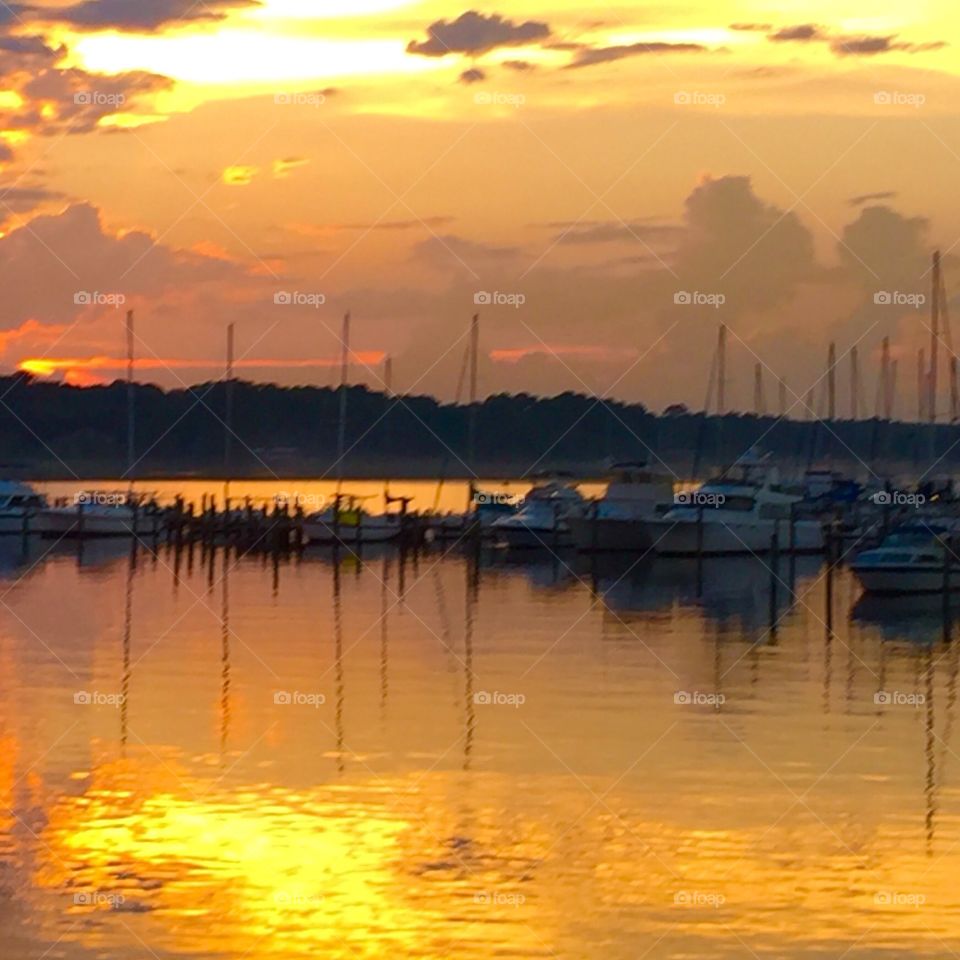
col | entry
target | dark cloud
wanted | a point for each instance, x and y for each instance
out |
(615, 231)
(15, 200)
(803, 31)
(867, 46)
(473, 33)
(138, 15)
(593, 55)
(438, 221)
(752, 27)
(519, 65)
(871, 197)
(473, 75)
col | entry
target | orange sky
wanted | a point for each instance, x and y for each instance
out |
(565, 171)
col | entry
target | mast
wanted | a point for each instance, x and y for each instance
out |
(854, 385)
(228, 411)
(893, 387)
(472, 424)
(131, 413)
(783, 397)
(759, 404)
(886, 394)
(722, 370)
(832, 382)
(934, 337)
(344, 373)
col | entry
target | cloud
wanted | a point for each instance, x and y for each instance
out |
(473, 33)
(870, 197)
(615, 231)
(138, 15)
(438, 221)
(520, 66)
(473, 75)
(239, 176)
(871, 45)
(590, 56)
(752, 27)
(15, 200)
(804, 31)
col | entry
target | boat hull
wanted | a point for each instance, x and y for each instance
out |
(682, 538)
(70, 523)
(609, 535)
(319, 532)
(893, 580)
(524, 537)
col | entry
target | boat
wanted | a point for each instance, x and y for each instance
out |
(634, 495)
(544, 518)
(346, 522)
(910, 560)
(19, 503)
(488, 507)
(90, 514)
(741, 511)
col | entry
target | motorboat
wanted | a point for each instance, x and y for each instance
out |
(19, 503)
(347, 522)
(91, 513)
(544, 519)
(634, 495)
(488, 507)
(744, 510)
(912, 559)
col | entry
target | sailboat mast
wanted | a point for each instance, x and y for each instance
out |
(854, 384)
(472, 426)
(228, 406)
(131, 422)
(832, 382)
(934, 337)
(722, 370)
(344, 373)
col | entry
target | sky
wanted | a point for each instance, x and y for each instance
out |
(603, 185)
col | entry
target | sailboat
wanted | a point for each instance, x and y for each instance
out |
(345, 520)
(98, 513)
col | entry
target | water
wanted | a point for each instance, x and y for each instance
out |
(536, 758)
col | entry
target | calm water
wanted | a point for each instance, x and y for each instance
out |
(443, 759)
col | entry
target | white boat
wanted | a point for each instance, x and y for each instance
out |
(634, 495)
(18, 502)
(487, 509)
(739, 512)
(90, 514)
(544, 518)
(910, 560)
(348, 523)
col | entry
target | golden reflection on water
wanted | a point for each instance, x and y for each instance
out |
(403, 817)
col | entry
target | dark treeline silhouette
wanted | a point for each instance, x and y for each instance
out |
(49, 429)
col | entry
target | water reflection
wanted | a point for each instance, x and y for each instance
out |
(453, 755)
